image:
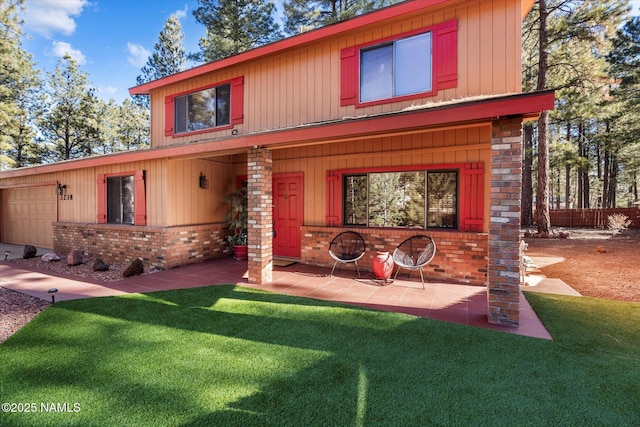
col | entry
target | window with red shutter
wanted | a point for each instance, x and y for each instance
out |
(407, 66)
(209, 108)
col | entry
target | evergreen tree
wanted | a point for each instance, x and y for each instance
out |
(234, 26)
(624, 69)
(69, 125)
(22, 149)
(302, 15)
(168, 58)
(550, 34)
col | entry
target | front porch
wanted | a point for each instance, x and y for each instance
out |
(443, 301)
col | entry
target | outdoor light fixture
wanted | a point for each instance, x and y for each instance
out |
(204, 182)
(6, 254)
(52, 292)
(61, 189)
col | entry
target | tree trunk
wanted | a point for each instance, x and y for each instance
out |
(579, 191)
(542, 194)
(605, 180)
(526, 219)
(567, 171)
(543, 219)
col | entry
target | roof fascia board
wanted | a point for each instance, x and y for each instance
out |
(291, 42)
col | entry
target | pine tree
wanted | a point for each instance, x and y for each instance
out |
(21, 135)
(168, 58)
(234, 26)
(302, 15)
(549, 36)
(69, 124)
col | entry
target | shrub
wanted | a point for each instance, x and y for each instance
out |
(618, 223)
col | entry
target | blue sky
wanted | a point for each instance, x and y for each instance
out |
(110, 39)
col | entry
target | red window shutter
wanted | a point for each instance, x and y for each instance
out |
(333, 199)
(237, 100)
(472, 197)
(102, 199)
(348, 76)
(168, 116)
(139, 199)
(445, 55)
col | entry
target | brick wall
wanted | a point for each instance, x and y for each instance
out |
(161, 247)
(503, 293)
(460, 257)
(260, 205)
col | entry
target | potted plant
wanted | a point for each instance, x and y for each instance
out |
(237, 219)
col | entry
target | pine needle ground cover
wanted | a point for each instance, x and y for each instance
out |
(227, 355)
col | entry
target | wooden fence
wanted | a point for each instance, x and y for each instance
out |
(592, 218)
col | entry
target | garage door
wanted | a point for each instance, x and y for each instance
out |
(28, 214)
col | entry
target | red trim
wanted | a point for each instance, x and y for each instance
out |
(102, 199)
(293, 42)
(237, 100)
(348, 76)
(169, 117)
(139, 199)
(472, 197)
(334, 201)
(526, 105)
(445, 54)
(470, 191)
(444, 64)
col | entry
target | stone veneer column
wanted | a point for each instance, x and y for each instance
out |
(503, 293)
(260, 204)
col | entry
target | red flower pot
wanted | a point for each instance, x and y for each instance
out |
(382, 265)
(240, 252)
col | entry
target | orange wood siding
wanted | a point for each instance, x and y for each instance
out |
(302, 85)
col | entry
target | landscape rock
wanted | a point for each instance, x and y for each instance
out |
(29, 252)
(99, 265)
(75, 257)
(134, 269)
(50, 257)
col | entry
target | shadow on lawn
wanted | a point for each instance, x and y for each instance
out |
(294, 361)
(354, 364)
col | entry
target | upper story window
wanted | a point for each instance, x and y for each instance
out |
(205, 109)
(406, 66)
(399, 68)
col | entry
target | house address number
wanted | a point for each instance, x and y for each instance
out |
(66, 196)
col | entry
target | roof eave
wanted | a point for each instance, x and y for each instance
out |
(291, 42)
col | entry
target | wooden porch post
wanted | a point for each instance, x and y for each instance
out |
(260, 205)
(503, 293)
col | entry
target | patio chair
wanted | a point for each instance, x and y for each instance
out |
(413, 254)
(345, 248)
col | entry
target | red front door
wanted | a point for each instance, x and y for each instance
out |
(287, 214)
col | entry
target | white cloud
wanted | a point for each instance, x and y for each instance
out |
(47, 17)
(109, 90)
(61, 49)
(181, 14)
(137, 54)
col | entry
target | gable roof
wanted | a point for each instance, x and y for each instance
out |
(375, 17)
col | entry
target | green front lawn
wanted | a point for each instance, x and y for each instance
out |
(227, 355)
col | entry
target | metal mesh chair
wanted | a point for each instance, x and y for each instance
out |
(413, 254)
(345, 248)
